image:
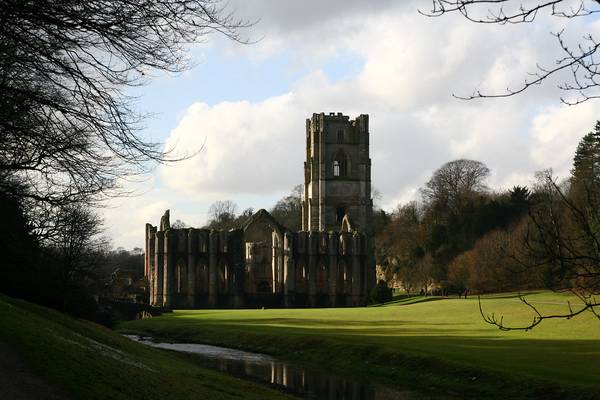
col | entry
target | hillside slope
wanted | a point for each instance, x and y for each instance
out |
(80, 360)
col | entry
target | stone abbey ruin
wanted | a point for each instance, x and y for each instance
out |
(262, 264)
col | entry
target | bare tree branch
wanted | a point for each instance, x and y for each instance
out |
(579, 61)
(589, 304)
(69, 129)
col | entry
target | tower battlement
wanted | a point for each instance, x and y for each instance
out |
(337, 172)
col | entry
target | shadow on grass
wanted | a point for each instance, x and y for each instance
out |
(514, 295)
(478, 365)
(411, 300)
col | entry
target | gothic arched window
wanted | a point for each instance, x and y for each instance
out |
(340, 164)
(223, 277)
(179, 276)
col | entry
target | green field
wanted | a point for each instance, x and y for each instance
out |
(423, 342)
(86, 361)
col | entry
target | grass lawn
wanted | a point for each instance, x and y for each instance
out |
(87, 361)
(422, 342)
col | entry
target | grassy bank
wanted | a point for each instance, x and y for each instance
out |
(87, 361)
(416, 342)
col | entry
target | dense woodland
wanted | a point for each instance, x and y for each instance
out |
(465, 237)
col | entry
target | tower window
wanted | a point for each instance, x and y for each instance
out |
(340, 136)
(340, 164)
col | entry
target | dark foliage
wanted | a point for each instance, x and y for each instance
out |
(69, 131)
(420, 242)
(381, 293)
(288, 210)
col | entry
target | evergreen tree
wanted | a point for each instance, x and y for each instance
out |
(586, 163)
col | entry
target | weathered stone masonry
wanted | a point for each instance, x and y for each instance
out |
(262, 263)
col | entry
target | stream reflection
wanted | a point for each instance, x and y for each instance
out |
(297, 380)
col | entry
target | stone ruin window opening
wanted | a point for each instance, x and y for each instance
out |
(340, 211)
(340, 136)
(343, 272)
(340, 164)
(322, 281)
(179, 277)
(223, 277)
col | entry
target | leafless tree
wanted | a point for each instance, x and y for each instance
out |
(222, 214)
(455, 181)
(562, 242)
(69, 128)
(77, 244)
(580, 60)
(179, 224)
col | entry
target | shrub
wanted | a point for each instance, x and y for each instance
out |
(381, 293)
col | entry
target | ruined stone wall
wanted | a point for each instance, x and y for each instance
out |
(258, 266)
(195, 268)
(262, 264)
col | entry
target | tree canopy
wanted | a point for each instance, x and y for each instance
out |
(69, 128)
(71, 133)
(454, 183)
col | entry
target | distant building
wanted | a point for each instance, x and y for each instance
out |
(329, 263)
(125, 285)
(337, 173)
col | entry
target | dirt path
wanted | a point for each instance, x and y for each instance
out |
(18, 382)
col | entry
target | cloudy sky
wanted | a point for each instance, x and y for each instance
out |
(246, 105)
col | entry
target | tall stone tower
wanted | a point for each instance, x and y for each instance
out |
(337, 173)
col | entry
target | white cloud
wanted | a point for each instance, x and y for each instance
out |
(248, 148)
(126, 218)
(556, 131)
(412, 65)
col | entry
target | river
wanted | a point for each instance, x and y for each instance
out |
(296, 380)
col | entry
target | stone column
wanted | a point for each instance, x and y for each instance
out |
(202, 274)
(213, 248)
(149, 270)
(280, 266)
(332, 250)
(356, 270)
(369, 265)
(312, 250)
(192, 249)
(159, 246)
(275, 264)
(147, 253)
(289, 276)
(168, 270)
(236, 250)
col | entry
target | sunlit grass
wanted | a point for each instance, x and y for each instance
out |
(566, 352)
